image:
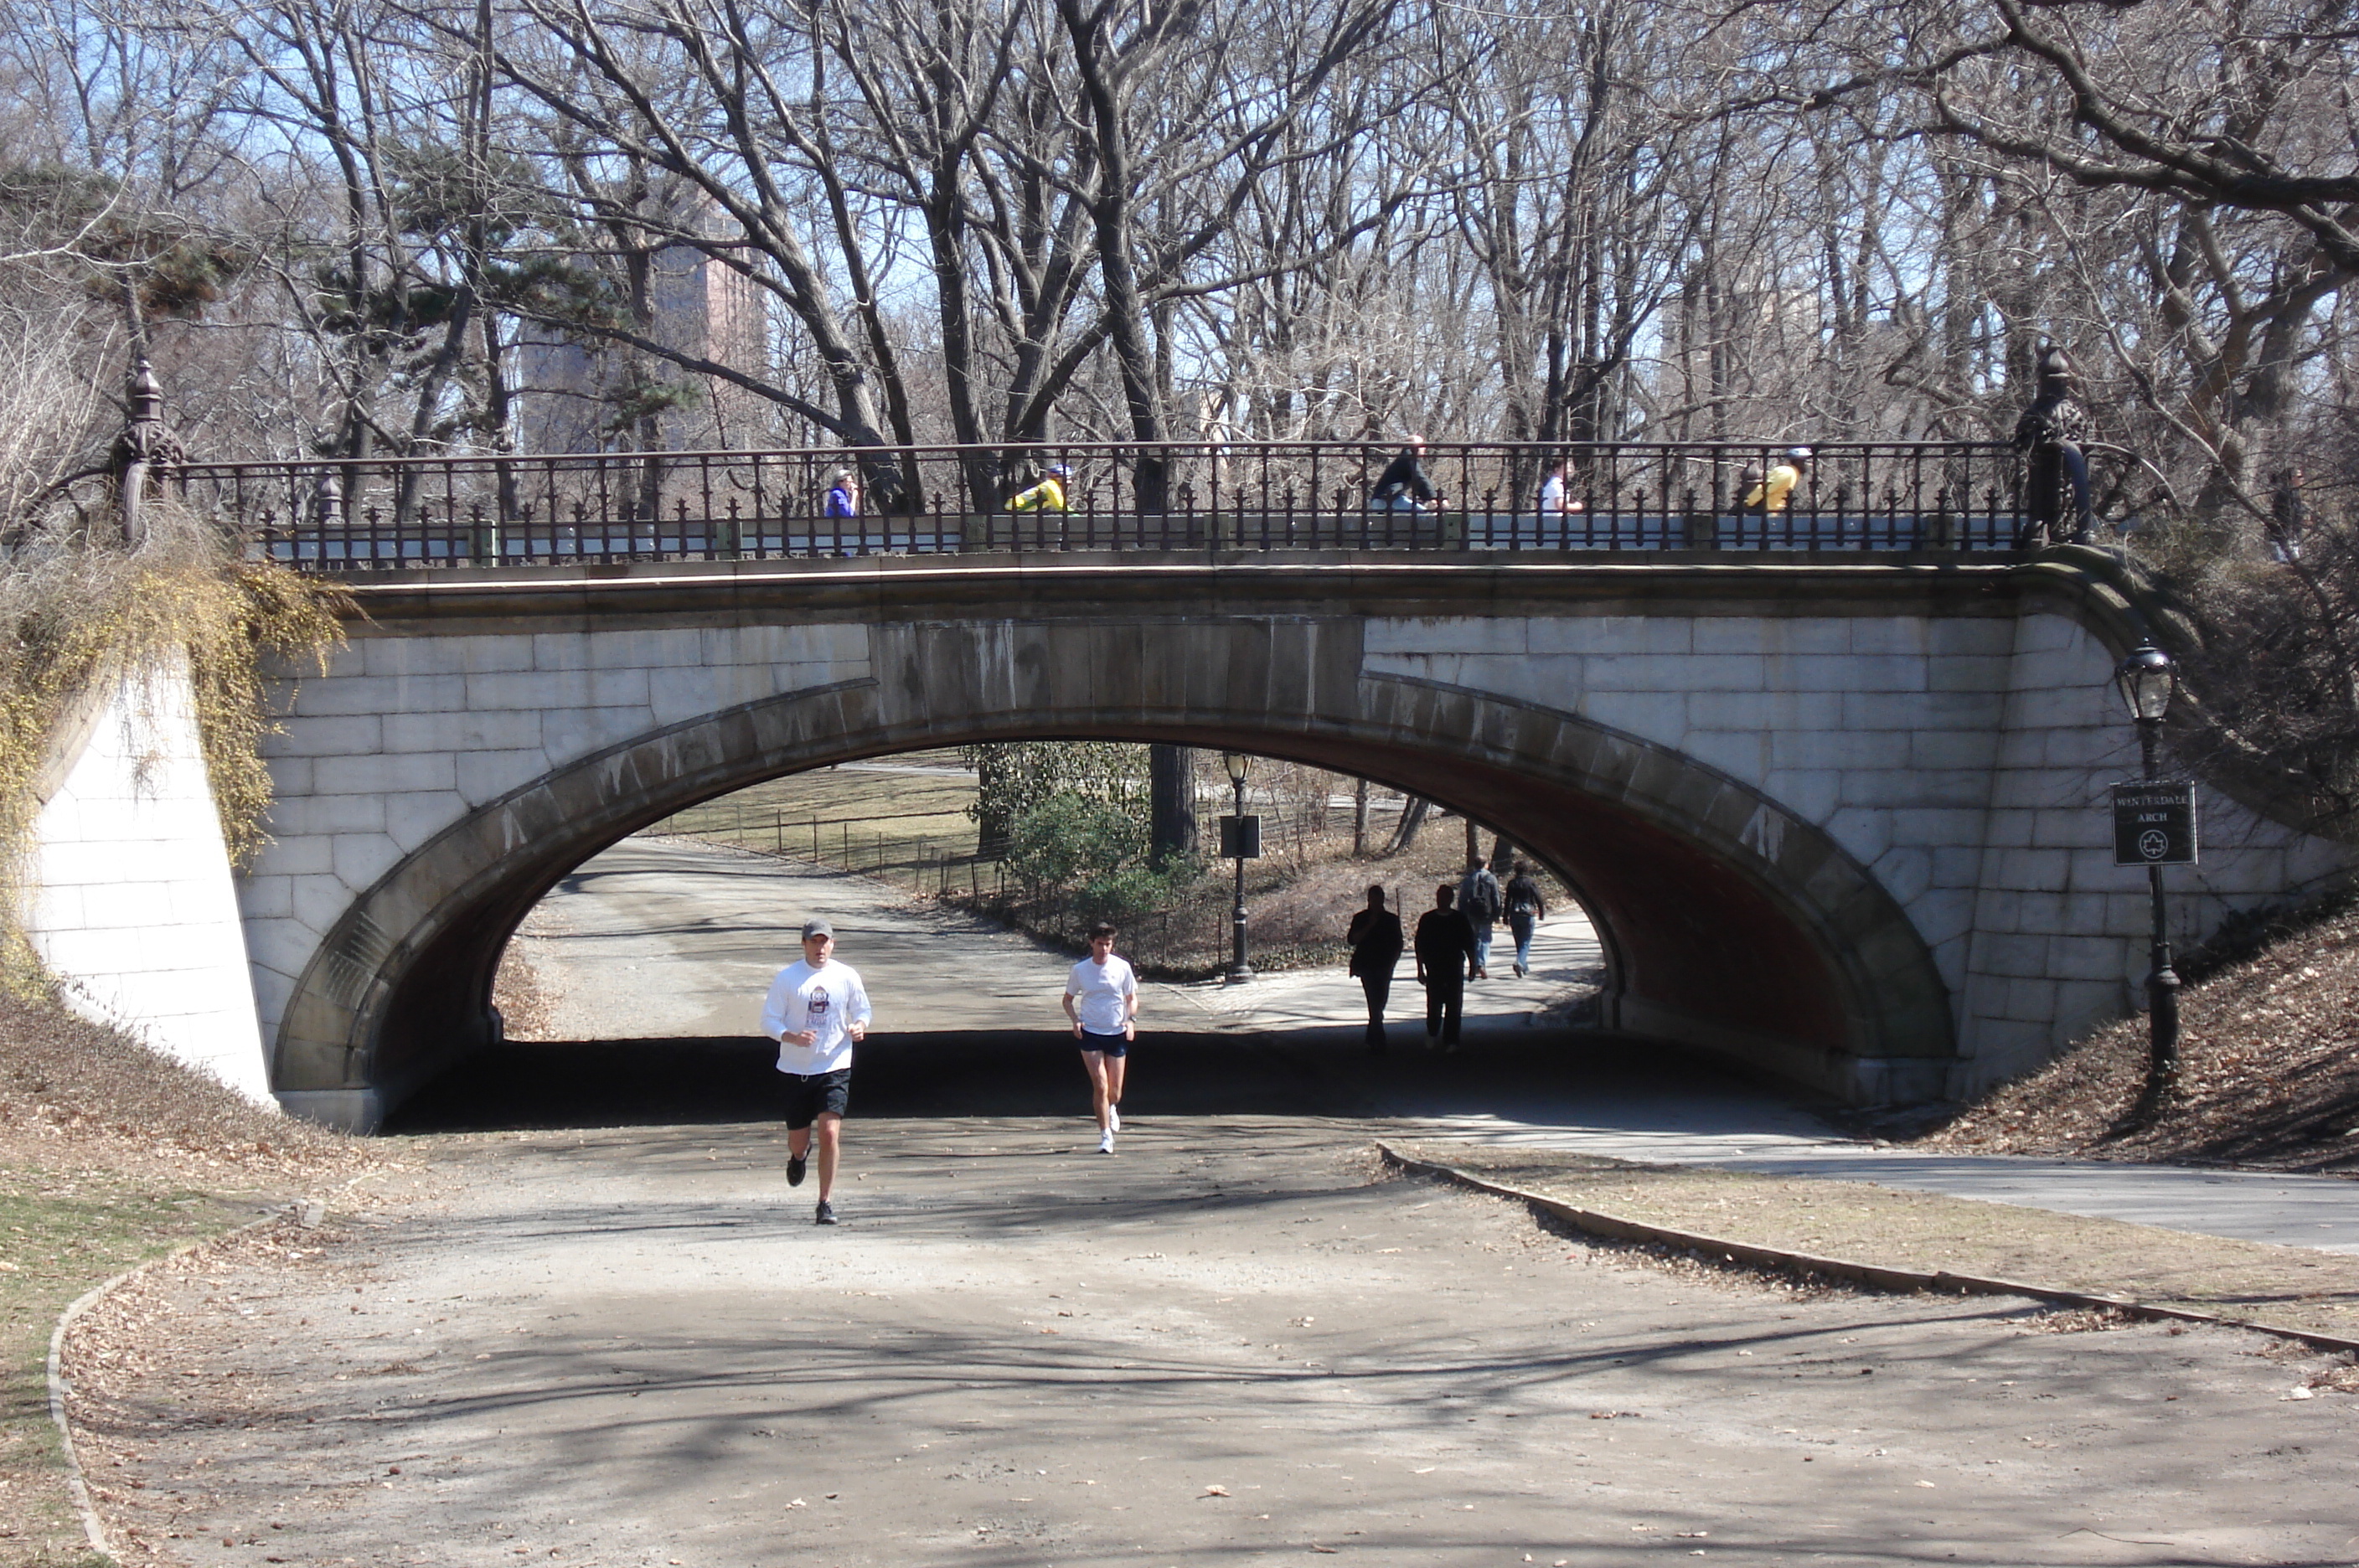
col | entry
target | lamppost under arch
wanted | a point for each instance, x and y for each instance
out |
(2148, 680)
(1241, 838)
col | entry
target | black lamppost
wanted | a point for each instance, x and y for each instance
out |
(1239, 765)
(2148, 680)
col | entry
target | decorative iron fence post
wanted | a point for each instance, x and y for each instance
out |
(138, 450)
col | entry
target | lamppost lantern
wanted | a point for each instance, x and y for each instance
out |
(1239, 765)
(2149, 680)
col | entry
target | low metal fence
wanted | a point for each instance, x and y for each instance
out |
(377, 515)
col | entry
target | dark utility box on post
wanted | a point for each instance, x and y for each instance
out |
(2154, 823)
(1240, 838)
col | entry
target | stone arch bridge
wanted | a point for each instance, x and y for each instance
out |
(1841, 820)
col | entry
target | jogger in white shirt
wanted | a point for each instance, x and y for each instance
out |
(1105, 1021)
(817, 1010)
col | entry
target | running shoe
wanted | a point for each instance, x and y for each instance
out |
(1106, 1141)
(796, 1165)
(1114, 1118)
(826, 1215)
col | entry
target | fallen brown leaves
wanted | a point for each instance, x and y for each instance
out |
(2078, 1320)
(524, 1003)
(2269, 1075)
(167, 1353)
(78, 1098)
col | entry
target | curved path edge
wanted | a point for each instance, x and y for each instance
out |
(309, 1211)
(1616, 1227)
(93, 1528)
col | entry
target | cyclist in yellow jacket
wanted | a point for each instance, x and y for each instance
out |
(1048, 495)
(1773, 490)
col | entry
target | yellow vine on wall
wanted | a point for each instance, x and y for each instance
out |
(74, 615)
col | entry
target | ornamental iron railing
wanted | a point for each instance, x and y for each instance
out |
(358, 516)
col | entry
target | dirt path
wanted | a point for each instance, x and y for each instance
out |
(621, 1342)
(671, 937)
(1230, 1342)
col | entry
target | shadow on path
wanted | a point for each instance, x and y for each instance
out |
(1525, 1075)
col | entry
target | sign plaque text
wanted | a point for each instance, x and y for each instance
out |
(2154, 823)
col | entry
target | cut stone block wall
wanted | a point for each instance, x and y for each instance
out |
(130, 902)
(406, 735)
(1965, 761)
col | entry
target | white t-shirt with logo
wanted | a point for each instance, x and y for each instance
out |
(828, 1000)
(1099, 991)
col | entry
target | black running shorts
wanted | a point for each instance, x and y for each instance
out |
(815, 1094)
(1110, 1044)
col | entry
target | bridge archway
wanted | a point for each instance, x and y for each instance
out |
(1731, 922)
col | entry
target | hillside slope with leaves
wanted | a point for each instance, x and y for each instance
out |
(2269, 1071)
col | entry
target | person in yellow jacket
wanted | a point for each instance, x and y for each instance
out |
(1772, 490)
(1048, 495)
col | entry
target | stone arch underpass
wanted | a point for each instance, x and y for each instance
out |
(1805, 866)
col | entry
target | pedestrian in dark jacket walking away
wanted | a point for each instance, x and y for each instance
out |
(1375, 939)
(1525, 910)
(1445, 957)
(1480, 900)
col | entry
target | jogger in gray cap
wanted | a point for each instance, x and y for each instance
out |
(817, 1010)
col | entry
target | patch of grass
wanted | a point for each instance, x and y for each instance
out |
(111, 1154)
(1928, 1232)
(61, 1237)
(896, 818)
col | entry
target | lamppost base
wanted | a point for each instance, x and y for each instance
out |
(1237, 975)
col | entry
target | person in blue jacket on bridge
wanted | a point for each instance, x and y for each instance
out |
(843, 495)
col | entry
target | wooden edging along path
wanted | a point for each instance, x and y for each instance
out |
(1811, 1265)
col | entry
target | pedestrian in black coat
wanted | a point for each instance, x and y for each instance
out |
(1375, 939)
(1446, 957)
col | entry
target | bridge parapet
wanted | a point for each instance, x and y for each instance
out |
(1949, 497)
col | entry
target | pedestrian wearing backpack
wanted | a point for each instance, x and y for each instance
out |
(1525, 910)
(1480, 900)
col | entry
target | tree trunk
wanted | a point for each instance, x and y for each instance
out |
(1360, 820)
(1110, 212)
(1412, 818)
(1171, 801)
(993, 825)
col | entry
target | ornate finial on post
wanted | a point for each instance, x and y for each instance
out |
(144, 446)
(2051, 435)
(147, 396)
(143, 433)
